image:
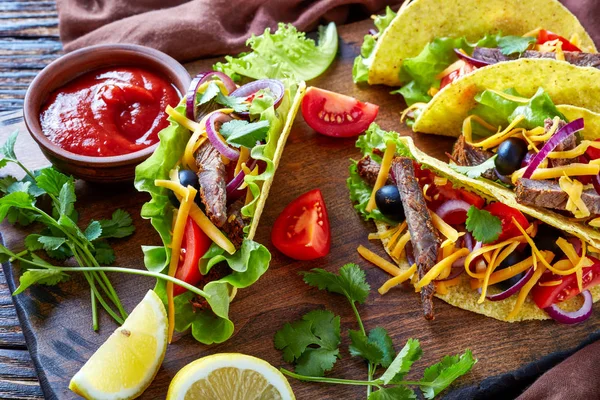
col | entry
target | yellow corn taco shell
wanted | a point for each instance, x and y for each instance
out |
(421, 21)
(564, 83)
(461, 295)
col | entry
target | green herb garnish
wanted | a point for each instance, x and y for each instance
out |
(312, 343)
(475, 171)
(484, 226)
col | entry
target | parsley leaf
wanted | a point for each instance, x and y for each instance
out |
(93, 231)
(475, 171)
(32, 243)
(104, 254)
(380, 337)
(209, 94)
(238, 132)
(66, 198)
(393, 393)
(439, 376)
(410, 353)
(51, 242)
(362, 347)
(317, 328)
(7, 151)
(52, 181)
(42, 276)
(350, 282)
(484, 226)
(119, 226)
(515, 44)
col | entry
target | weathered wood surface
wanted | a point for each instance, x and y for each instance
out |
(57, 319)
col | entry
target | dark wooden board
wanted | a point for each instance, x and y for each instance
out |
(56, 321)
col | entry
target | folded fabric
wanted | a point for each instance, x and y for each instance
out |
(189, 30)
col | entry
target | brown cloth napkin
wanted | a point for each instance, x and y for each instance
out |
(193, 29)
(576, 378)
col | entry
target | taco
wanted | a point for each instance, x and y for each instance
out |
(468, 242)
(429, 44)
(209, 179)
(532, 127)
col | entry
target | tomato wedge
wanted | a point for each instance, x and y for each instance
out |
(194, 245)
(592, 152)
(547, 36)
(302, 229)
(457, 73)
(333, 114)
(544, 296)
(506, 214)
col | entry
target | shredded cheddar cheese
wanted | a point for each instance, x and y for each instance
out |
(399, 247)
(526, 289)
(395, 281)
(378, 261)
(445, 229)
(473, 255)
(181, 119)
(385, 234)
(244, 157)
(550, 283)
(499, 137)
(577, 151)
(575, 169)
(574, 189)
(390, 152)
(194, 143)
(435, 271)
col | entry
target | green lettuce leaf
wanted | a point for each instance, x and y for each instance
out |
(362, 63)
(500, 111)
(286, 53)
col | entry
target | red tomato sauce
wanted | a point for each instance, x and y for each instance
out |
(108, 112)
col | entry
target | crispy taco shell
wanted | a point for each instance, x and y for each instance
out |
(461, 295)
(421, 21)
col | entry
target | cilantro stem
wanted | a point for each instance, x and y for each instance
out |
(370, 374)
(328, 380)
(101, 299)
(357, 315)
(94, 311)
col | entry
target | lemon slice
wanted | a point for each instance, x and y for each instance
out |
(229, 376)
(124, 366)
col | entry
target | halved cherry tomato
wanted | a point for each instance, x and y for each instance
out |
(547, 36)
(544, 296)
(302, 229)
(195, 243)
(333, 114)
(506, 214)
(457, 73)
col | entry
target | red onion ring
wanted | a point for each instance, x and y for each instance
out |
(511, 290)
(275, 86)
(550, 145)
(237, 180)
(469, 241)
(451, 206)
(455, 271)
(576, 244)
(190, 96)
(572, 317)
(215, 138)
(473, 61)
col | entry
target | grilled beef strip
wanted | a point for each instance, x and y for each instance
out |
(213, 183)
(368, 169)
(494, 56)
(423, 237)
(234, 227)
(569, 143)
(468, 155)
(548, 194)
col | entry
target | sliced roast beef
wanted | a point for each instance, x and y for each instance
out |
(569, 143)
(548, 194)
(234, 227)
(467, 155)
(494, 56)
(368, 169)
(423, 237)
(213, 183)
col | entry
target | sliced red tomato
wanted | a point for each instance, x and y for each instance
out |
(195, 243)
(544, 296)
(592, 152)
(506, 214)
(302, 229)
(457, 73)
(471, 198)
(547, 36)
(333, 114)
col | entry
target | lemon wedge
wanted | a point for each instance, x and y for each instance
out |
(229, 376)
(124, 366)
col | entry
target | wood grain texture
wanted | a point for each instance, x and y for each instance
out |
(57, 319)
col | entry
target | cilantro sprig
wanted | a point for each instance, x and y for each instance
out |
(312, 343)
(475, 171)
(62, 238)
(484, 226)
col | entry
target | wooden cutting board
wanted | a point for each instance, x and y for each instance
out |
(57, 320)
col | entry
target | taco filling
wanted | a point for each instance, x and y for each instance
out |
(458, 243)
(531, 147)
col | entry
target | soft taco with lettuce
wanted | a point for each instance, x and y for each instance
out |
(468, 241)
(429, 43)
(532, 127)
(210, 175)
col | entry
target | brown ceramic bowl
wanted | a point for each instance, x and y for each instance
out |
(95, 169)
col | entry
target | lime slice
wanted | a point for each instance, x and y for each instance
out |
(124, 366)
(229, 376)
